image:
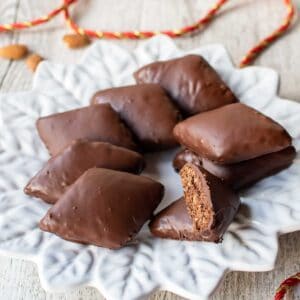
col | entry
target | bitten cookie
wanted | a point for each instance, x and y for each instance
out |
(203, 214)
(211, 204)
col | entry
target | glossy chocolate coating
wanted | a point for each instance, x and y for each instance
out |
(175, 222)
(186, 156)
(242, 174)
(148, 112)
(220, 201)
(62, 170)
(193, 84)
(103, 207)
(231, 134)
(97, 123)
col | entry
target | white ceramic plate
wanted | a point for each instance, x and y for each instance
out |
(190, 269)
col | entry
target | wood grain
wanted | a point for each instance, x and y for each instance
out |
(239, 26)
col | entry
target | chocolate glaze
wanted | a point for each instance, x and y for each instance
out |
(148, 112)
(103, 207)
(231, 134)
(220, 201)
(97, 123)
(186, 156)
(242, 174)
(193, 84)
(175, 221)
(62, 170)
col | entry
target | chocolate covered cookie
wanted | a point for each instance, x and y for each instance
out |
(96, 123)
(242, 174)
(186, 156)
(211, 204)
(174, 222)
(205, 213)
(103, 207)
(193, 84)
(62, 170)
(231, 134)
(148, 112)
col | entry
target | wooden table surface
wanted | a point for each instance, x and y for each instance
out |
(240, 24)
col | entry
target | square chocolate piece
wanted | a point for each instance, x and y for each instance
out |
(147, 111)
(62, 170)
(96, 123)
(193, 84)
(231, 134)
(103, 207)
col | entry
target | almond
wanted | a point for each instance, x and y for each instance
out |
(33, 61)
(74, 41)
(15, 51)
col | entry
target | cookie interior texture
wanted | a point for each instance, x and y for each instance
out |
(197, 197)
(210, 202)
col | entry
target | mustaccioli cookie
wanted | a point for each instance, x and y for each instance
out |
(231, 134)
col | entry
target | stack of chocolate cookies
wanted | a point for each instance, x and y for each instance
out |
(93, 176)
(227, 146)
(235, 143)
